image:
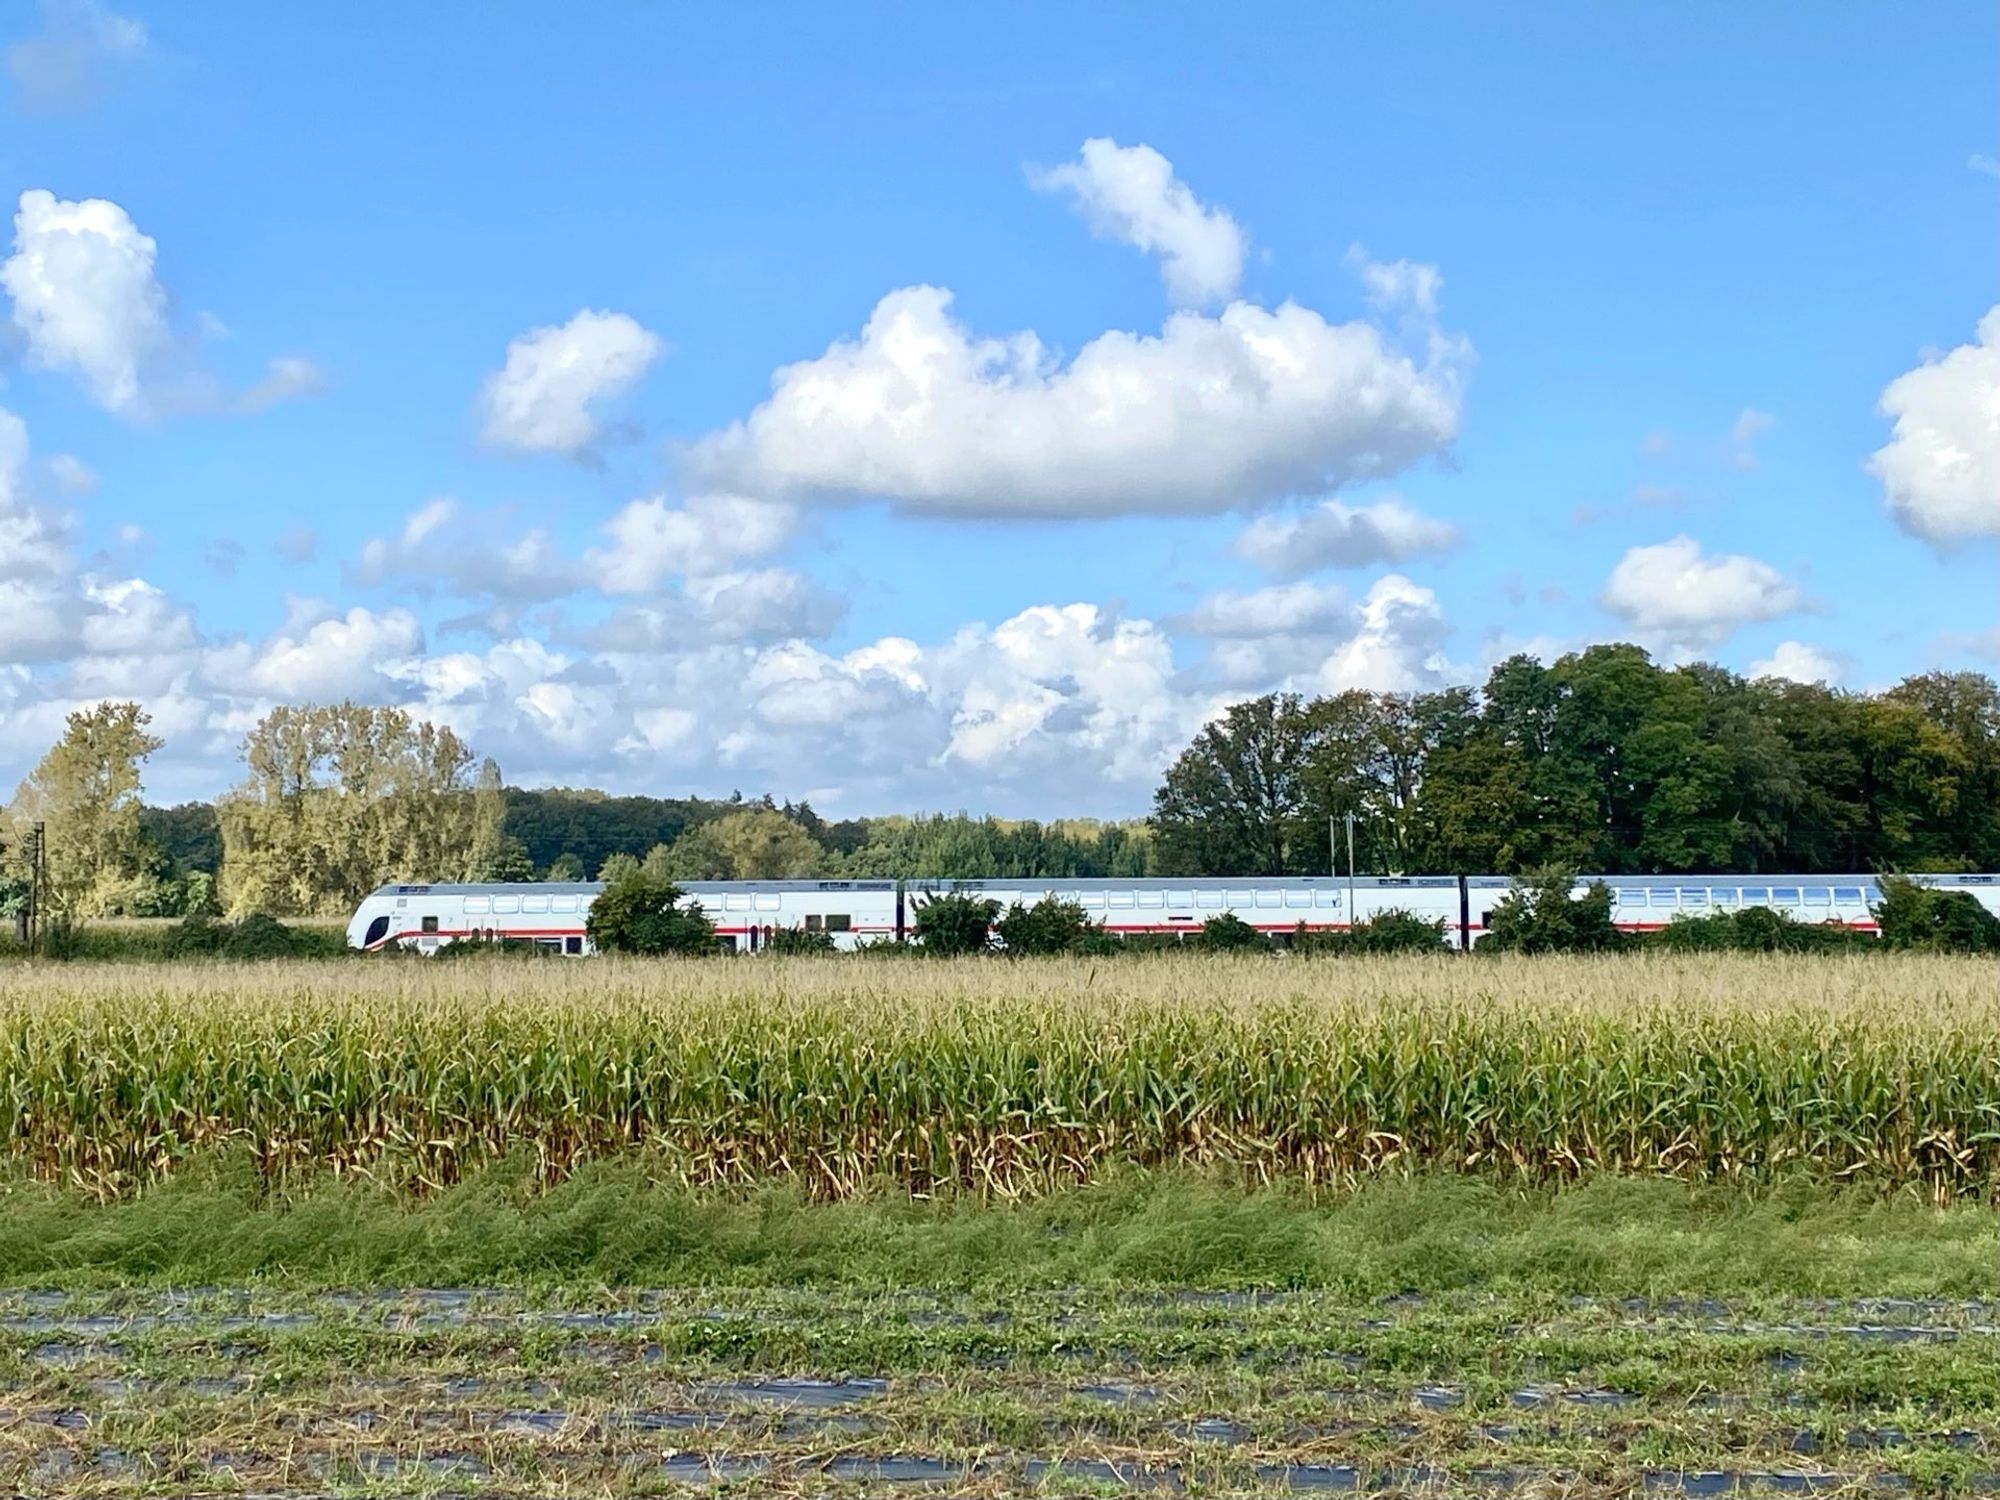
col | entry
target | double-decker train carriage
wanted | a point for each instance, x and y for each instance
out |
(746, 913)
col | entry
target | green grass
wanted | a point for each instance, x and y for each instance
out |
(610, 1224)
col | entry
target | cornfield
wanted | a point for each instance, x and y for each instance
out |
(1009, 1078)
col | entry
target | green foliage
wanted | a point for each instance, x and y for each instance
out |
(1228, 933)
(1542, 914)
(86, 793)
(964, 848)
(1756, 929)
(618, 867)
(1051, 926)
(952, 923)
(460, 950)
(343, 798)
(1602, 761)
(754, 843)
(196, 935)
(798, 942)
(1918, 917)
(565, 867)
(1392, 930)
(637, 913)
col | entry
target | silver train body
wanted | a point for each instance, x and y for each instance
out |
(746, 913)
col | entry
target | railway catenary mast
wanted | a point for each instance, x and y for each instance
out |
(853, 912)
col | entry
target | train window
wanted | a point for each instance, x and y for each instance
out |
(506, 903)
(1267, 898)
(1756, 895)
(1816, 895)
(377, 930)
(813, 923)
(1298, 898)
(430, 924)
(767, 903)
(1180, 898)
(535, 903)
(572, 945)
(1152, 898)
(554, 945)
(1208, 900)
(1327, 898)
(1785, 895)
(1694, 897)
(1118, 898)
(839, 921)
(736, 903)
(1094, 900)
(1849, 895)
(1629, 895)
(478, 905)
(562, 903)
(1722, 895)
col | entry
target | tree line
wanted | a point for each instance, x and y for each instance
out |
(1603, 761)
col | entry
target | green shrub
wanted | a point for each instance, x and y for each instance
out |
(1925, 919)
(1393, 931)
(1229, 933)
(1542, 914)
(464, 949)
(955, 922)
(796, 941)
(636, 913)
(1051, 926)
(197, 933)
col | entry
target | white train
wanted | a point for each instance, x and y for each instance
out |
(747, 913)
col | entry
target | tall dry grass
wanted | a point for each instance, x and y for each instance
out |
(1011, 1077)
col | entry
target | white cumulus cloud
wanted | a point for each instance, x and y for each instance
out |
(546, 397)
(1130, 194)
(1941, 468)
(85, 295)
(1675, 596)
(652, 539)
(1798, 662)
(1213, 413)
(1333, 534)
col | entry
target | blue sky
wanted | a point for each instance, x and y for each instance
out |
(431, 361)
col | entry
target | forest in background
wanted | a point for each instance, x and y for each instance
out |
(1603, 761)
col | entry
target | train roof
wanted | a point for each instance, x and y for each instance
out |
(1176, 882)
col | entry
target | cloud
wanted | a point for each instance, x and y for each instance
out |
(1281, 610)
(286, 376)
(1246, 407)
(462, 551)
(545, 398)
(1307, 637)
(1749, 425)
(761, 605)
(1674, 596)
(1130, 194)
(70, 475)
(297, 544)
(1940, 470)
(223, 556)
(321, 657)
(1332, 534)
(1798, 662)
(651, 540)
(85, 296)
(63, 67)
(1983, 164)
(1397, 286)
